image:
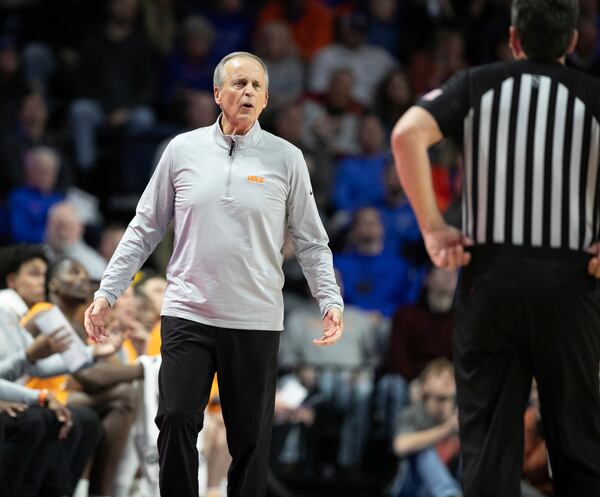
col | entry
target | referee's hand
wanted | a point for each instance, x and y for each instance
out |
(594, 264)
(446, 247)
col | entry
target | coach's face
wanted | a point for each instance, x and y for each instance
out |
(243, 94)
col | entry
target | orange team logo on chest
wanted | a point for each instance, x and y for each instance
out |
(256, 179)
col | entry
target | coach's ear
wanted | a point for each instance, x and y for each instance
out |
(515, 44)
(573, 42)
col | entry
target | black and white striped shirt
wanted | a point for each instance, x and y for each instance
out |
(530, 133)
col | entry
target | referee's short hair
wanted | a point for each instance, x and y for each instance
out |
(545, 26)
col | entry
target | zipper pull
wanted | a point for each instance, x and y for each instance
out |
(231, 147)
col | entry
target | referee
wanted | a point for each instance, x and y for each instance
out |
(528, 304)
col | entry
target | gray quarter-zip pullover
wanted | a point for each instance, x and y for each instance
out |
(230, 199)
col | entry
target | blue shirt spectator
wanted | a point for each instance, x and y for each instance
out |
(28, 213)
(400, 225)
(359, 181)
(371, 277)
(29, 205)
(190, 67)
(399, 220)
(233, 27)
(380, 282)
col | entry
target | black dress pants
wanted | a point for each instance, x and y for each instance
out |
(246, 365)
(523, 314)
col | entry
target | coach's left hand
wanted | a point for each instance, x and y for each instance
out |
(333, 327)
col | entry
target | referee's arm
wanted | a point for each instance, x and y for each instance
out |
(414, 133)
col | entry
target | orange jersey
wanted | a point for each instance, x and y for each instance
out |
(57, 385)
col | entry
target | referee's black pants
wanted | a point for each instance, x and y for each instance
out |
(519, 316)
(246, 366)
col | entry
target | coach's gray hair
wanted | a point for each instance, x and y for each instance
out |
(218, 74)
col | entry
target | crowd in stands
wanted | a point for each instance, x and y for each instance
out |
(90, 95)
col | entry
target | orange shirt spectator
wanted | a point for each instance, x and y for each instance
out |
(57, 385)
(311, 23)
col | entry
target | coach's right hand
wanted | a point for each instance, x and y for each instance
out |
(96, 319)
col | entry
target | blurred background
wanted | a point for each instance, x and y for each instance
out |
(91, 91)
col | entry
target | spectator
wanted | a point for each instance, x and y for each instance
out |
(200, 110)
(419, 333)
(450, 56)
(586, 57)
(288, 123)
(30, 131)
(393, 98)
(359, 178)
(105, 387)
(343, 376)
(311, 23)
(383, 25)
(160, 24)
(276, 47)
(146, 315)
(64, 238)
(126, 320)
(372, 278)
(12, 85)
(190, 66)
(368, 63)
(486, 27)
(294, 440)
(22, 278)
(233, 26)
(54, 35)
(116, 79)
(20, 357)
(152, 287)
(29, 205)
(402, 235)
(332, 121)
(427, 437)
(196, 110)
(589, 10)
(429, 70)
(109, 239)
